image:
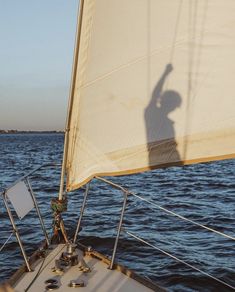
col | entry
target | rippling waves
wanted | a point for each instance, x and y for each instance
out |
(202, 192)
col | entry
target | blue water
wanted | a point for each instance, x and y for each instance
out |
(203, 192)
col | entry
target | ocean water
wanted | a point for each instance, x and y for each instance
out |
(203, 192)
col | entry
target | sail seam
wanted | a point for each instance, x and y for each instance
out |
(184, 39)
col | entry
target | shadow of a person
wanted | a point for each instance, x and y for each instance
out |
(160, 133)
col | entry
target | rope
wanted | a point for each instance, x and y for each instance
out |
(59, 206)
(201, 39)
(182, 217)
(179, 260)
(42, 268)
(2, 247)
(176, 31)
(36, 276)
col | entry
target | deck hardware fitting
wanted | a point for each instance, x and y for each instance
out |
(89, 248)
(76, 284)
(58, 271)
(86, 270)
(52, 287)
(51, 281)
(70, 257)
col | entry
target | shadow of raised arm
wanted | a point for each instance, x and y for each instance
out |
(157, 93)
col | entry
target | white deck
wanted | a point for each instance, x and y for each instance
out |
(99, 279)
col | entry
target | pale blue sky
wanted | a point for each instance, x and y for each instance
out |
(36, 52)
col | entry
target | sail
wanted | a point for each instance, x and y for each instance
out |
(153, 86)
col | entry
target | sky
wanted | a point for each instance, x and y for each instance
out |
(36, 53)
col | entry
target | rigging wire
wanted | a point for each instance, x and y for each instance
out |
(177, 259)
(182, 217)
(192, 30)
(5, 243)
(162, 208)
(176, 31)
(201, 43)
(196, 32)
(174, 214)
(174, 40)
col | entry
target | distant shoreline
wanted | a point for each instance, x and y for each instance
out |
(29, 132)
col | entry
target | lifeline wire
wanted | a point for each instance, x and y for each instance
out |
(2, 247)
(179, 260)
(182, 217)
(162, 208)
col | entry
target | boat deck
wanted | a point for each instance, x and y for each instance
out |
(95, 278)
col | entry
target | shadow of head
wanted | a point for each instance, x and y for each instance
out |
(170, 100)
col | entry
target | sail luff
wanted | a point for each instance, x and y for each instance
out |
(71, 96)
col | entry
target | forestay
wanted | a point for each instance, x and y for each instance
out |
(153, 86)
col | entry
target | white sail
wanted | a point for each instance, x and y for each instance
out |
(154, 86)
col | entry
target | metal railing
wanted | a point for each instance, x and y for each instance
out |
(25, 179)
(126, 192)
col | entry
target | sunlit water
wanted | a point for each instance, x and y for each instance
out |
(204, 193)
